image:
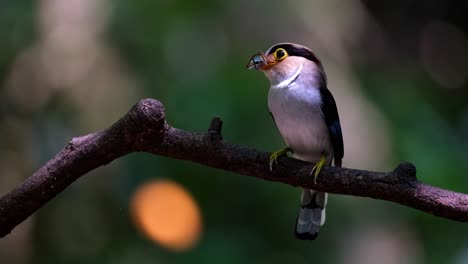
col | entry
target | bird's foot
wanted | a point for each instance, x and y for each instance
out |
(318, 167)
(275, 155)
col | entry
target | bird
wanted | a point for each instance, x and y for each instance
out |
(306, 116)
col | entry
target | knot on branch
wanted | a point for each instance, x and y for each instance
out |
(406, 170)
(145, 123)
(214, 131)
(149, 114)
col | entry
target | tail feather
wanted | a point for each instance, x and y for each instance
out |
(311, 214)
(338, 163)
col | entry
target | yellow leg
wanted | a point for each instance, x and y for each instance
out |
(275, 155)
(318, 167)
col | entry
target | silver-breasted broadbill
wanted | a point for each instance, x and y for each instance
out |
(307, 118)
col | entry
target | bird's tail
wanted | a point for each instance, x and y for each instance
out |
(311, 214)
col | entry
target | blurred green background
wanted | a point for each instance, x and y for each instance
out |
(397, 70)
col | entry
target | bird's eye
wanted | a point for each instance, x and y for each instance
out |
(280, 54)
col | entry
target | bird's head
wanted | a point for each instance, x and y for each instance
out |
(286, 61)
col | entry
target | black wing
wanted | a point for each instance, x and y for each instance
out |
(330, 113)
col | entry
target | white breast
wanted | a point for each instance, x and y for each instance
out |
(298, 116)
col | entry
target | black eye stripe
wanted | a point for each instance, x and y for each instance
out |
(294, 50)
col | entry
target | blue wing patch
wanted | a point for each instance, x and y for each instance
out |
(330, 113)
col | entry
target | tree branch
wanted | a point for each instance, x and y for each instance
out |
(144, 129)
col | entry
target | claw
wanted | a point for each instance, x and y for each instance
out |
(318, 167)
(275, 155)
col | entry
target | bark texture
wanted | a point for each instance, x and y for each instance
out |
(144, 129)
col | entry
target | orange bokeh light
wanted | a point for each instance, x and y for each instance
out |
(167, 213)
